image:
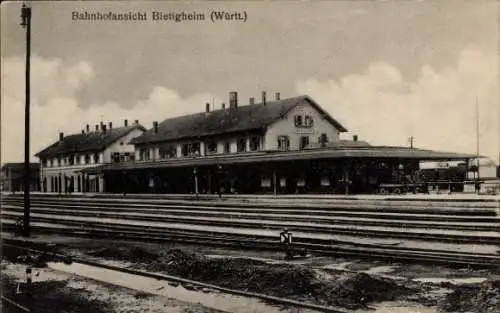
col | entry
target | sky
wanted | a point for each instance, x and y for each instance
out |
(386, 70)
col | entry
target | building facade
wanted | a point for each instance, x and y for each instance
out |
(61, 163)
(12, 177)
(281, 146)
(279, 125)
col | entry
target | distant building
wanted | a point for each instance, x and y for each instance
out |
(488, 169)
(12, 177)
(61, 163)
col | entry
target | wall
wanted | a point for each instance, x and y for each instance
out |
(286, 126)
(232, 139)
(73, 170)
(122, 145)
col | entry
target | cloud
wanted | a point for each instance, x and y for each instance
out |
(55, 107)
(438, 109)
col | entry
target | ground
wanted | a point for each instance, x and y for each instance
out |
(55, 292)
(344, 283)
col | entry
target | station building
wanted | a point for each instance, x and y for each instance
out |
(62, 162)
(274, 146)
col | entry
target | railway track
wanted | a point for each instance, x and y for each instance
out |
(456, 225)
(256, 225)
(234, 226)
(313, 245)
(342, 218)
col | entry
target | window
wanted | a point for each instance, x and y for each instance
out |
(304, 142)
(212, 147)
(283, 143)
(44, 162)
(323, 140)
(51, 163)
(303, 121)
(242, 144)
(254, 143)
(115, 157)
(167, 151)
(59, 161)
(96, 157)
(87, 159)
(308, 121)
(194, 149)
(71, 160)
(227, 147)
(184, 150)
(298, 120)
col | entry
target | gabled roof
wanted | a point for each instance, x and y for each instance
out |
(87, 142)
(230, 120)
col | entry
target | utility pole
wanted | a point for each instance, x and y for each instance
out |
(478, 184)
(26, 23)
(411, 141)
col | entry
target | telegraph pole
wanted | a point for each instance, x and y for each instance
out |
(478, 183)
(26, 23)
(411, 141)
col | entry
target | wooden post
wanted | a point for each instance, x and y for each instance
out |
(26, 22)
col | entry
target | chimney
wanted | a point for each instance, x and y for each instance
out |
(233, 100)
(355, 138)
(61, 136)
(155, 127)
(136, 121)
(110, 125)
(88, 128)
(277, 96)
(96, 127)
(125, 123)
(251, 101)
(207, 107)
(223, 106)
(264, 98)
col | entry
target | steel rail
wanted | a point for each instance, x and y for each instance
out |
(338, 249)
(17, 305)
(275, 203)
(172, 209)
(456, 238)
(394, 220)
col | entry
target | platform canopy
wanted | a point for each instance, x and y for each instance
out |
(371, 152)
